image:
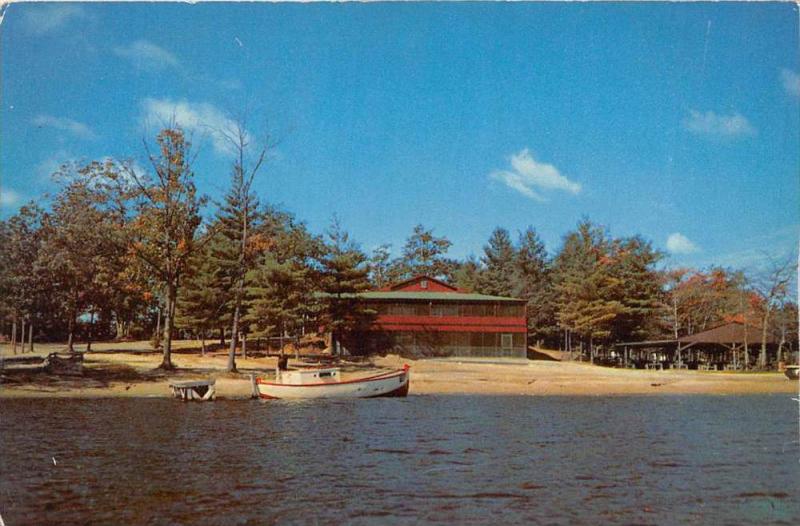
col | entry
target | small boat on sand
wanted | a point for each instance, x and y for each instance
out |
(327, 383)
(792, 372)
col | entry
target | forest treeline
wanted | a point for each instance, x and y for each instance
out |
(121, 253)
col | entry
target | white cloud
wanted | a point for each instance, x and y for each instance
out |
(530, 177)
(677, 243)
(43, 19)
(146, 55)
(76, 128)
(711, 124)
(791, 82)
(8, 197)
(200, 117)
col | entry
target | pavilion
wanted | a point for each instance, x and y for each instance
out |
(721, 347)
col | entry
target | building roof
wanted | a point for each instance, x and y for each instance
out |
(422, 283)
(733, 332)
(433, 296)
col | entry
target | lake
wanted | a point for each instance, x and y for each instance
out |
(422, 459)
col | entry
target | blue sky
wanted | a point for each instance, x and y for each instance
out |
(680, 122)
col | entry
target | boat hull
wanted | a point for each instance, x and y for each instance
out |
(392, 384)
(792, 372)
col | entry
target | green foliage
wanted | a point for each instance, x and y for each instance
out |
(342, 275)
(500, 275)
(280, 289)
(423, 254)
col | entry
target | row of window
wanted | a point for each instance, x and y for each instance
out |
(451, 309)
(460, 339)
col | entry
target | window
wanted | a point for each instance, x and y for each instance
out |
(423, 284)
(444, 309)
(506, 341)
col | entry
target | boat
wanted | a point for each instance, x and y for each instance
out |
(792, 372)
(327, 383)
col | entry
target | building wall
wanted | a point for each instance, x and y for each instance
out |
(450, 329)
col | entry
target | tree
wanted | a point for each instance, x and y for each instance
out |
(343, 275)
(204, 295)
(587, 304)
(238, 216)
(424, 254)
(772, 287)
(380, 266)
(22, 288)
(534, 284)
(632, 263)
(167, 216)
(467, 274)
(280, 289)
(78, 252)
(500, 276)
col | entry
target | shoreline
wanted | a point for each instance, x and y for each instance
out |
(120, 370)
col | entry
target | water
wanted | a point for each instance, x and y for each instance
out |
(423, 459)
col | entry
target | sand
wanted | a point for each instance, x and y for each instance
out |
(124, 374)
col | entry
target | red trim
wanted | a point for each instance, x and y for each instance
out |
(375, 378)
(412, 284)
(450, 328)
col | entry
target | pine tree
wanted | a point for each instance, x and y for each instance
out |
(534, 284)
(204, 296)
(343, 275)
(280, 289)
(424, 254)
(467, 274)
(379, 266)
(500, 274)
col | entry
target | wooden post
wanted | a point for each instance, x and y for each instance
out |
(30, 337)
(253, 386)
(22, 337)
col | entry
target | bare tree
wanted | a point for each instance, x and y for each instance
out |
(772, 286)
(238, 212)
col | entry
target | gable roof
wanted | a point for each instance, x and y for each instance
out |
(416, 282)
(389, 295)
(733, 332)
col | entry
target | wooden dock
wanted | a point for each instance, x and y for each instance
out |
(199, 390)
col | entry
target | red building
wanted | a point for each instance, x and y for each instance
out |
(427, 317)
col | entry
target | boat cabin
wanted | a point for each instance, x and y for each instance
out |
(309, 376)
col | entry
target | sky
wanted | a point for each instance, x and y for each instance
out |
(679, 122)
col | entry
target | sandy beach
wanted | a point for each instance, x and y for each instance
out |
(110, 371)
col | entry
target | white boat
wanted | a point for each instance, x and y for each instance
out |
(792, 372)
(327, 383)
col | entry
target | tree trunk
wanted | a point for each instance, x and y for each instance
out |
(234, 337)
(222, 336)
(166, 362)
(675, 316)
(30, 337)
(14, 335)
(762, 357)
(158, 320)
(71, 336)
(89, 333)
(244, 346)
(203, 343)
(22, 337)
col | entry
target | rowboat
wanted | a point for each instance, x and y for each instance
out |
(792, 372)
(327, 383)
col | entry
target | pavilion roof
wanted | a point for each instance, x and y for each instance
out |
(729, 333)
